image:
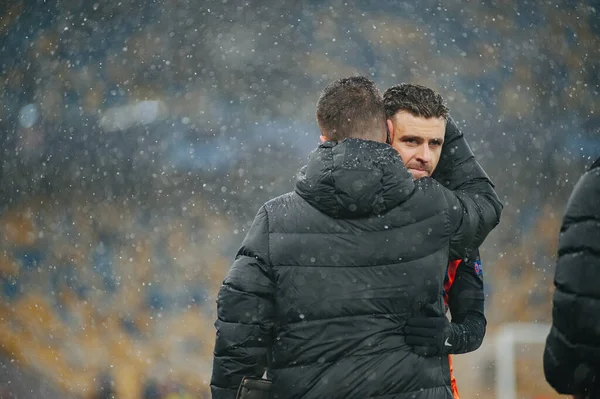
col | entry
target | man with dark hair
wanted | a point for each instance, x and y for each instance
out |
(419, 124)
(351, 108)
(327, 275)
(572, 352)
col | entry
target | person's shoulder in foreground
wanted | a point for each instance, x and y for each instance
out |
(572, 352)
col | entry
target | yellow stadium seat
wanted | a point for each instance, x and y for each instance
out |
(9, 267)
(38, 317)
(17, 227)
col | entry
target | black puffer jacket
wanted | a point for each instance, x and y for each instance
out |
(572, 353)
(327, 275)
(457, 168)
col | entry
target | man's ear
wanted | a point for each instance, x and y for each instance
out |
(323, 138)
(391, 130)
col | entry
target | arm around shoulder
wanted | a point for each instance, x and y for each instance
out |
(475, 208)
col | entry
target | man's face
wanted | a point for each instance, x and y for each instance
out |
(419, 141)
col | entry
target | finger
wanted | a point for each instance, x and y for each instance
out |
(418, 341)
(424, 351)
(421, 332)
(424, 322)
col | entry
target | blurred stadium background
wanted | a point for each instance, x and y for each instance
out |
(140, 137)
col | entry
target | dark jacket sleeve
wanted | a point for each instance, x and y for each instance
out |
(466, 302)
(245, 308)
(457, 165)
(475, 208)
(572, 351)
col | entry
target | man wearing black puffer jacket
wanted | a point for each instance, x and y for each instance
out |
(431, 144)
(572, 353)
(322, 286)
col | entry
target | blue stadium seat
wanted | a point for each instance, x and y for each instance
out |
(102, 260)
(11, 288)
(29, 258)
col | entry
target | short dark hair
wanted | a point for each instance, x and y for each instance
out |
(351, 108)
(416, 99)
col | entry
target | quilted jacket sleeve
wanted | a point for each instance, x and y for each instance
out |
(572, 352)
(475, 207)
(466, 301)
(245, 309)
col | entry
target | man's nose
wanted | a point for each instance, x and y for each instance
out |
(424, 154)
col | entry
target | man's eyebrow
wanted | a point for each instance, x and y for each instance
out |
(411, 137)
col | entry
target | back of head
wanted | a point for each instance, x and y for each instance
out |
(352, 108)
(415, 99)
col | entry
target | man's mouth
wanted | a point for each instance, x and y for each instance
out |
(417, 172)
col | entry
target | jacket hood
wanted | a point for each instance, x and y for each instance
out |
(354, 178)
